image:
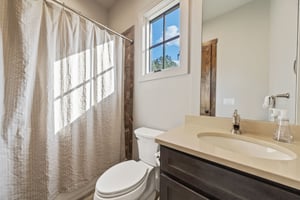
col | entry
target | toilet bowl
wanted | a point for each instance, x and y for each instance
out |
(132, 180)
(125, 181)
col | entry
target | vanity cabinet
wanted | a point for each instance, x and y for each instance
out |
(185, 177)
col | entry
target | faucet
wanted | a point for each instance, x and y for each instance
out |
(236, 123)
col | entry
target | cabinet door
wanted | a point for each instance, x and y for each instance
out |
(220, 182)
(172, 190)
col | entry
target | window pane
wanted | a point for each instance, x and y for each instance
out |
(156, 58)
(172, 24)
(172, 57)
(156, 31)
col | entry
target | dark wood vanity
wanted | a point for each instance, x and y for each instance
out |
(186, 177)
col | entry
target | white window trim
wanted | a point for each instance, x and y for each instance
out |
(142, 46)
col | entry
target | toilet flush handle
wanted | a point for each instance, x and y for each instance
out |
(157, 158)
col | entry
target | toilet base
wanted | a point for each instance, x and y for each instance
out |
(151, 197)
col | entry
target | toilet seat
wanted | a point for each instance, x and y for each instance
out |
(121, 179)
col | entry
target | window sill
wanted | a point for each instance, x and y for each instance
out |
(167, 73)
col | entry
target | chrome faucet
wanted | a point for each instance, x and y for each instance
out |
(236, 123)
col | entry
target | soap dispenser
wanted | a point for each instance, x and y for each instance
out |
(283, 132)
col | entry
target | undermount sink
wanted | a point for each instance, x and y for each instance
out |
(246, 146)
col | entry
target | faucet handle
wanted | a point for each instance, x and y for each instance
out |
(236, 122)
(236, 118)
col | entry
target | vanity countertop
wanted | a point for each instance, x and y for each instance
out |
(184, 139)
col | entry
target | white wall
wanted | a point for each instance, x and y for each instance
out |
(90, 8)
(242, 59)
(283, 41)
(163, 103)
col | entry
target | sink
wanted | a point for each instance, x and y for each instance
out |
(245, 146)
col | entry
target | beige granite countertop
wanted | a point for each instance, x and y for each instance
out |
(184, 138)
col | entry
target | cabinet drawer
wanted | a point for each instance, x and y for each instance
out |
(220, 182)
(172, 190)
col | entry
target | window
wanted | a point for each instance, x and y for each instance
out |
(164, 47)
(164, 36)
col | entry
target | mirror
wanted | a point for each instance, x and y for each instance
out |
(253, 45)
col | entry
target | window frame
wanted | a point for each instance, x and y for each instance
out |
(143, 59)
(164, 40)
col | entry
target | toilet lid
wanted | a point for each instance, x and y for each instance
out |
(121, 178)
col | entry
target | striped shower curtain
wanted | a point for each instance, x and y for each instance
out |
(61, 100)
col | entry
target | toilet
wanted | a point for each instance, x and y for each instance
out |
(133, 180)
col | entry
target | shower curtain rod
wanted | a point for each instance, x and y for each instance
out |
(91, 20)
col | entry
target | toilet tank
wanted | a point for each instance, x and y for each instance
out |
(146, 144)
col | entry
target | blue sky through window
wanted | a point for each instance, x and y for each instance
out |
(172, 24)
(157, 31)
(170, 30)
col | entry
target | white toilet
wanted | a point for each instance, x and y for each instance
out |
(133, 180)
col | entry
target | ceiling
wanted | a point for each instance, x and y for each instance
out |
(106, 3)
(214, 8)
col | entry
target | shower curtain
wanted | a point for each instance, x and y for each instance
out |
(61, 100)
